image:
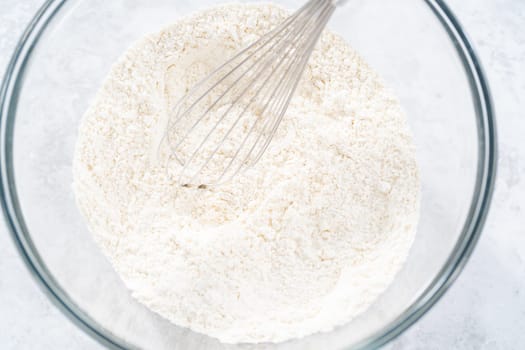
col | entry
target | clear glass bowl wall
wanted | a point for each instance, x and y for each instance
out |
(63, 58)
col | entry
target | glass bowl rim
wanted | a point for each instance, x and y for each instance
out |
(484, 186)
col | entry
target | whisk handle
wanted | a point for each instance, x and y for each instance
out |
(339, 2)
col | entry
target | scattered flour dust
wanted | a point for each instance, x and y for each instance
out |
(301, 243)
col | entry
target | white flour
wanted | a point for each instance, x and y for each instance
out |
(303, 242)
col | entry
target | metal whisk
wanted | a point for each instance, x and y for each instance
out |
(223, 124)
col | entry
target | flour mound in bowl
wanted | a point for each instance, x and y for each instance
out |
(304, 241)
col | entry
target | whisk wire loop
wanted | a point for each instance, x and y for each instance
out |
(224, 124)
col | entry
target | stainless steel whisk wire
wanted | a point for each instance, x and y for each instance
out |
(287, 48)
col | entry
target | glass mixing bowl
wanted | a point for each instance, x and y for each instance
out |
(60, 62)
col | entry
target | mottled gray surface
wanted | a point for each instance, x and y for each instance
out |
(484, 309)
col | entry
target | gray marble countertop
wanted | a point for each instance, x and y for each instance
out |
(484, 309)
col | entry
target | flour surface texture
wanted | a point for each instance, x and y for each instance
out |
(304, 241)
